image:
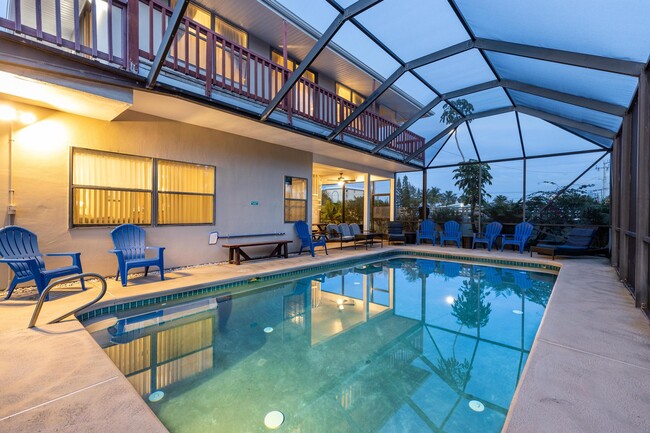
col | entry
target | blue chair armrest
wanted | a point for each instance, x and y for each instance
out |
(118, 253)
(76, 257)
(63, 254)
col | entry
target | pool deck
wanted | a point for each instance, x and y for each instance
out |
(588, 371)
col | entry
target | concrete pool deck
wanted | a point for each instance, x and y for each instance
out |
(583, 374)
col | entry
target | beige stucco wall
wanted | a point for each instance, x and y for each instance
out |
(247, 170)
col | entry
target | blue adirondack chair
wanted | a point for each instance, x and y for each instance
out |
(426, 231)
(451, 232)
(130, 248)
(492, 232)
(19, 249)
(522, 233)
(307, 240)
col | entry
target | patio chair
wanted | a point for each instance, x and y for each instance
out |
(19, 250)
(452, 233)
(522, 233)
(130, 248)
(578, 242)
(356, 230)
(426, 231)
(492, 232)
(346, 234)
(309, 240)
(396, 232)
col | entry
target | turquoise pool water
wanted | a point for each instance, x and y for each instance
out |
(399, 345)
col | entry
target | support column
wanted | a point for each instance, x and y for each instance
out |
(626, 139)
(615, 202)
(367, 203)
(424, 194)
(643, 195)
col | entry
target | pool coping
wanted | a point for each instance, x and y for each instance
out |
(547, 396)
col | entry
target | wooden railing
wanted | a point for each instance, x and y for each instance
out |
(197, 52)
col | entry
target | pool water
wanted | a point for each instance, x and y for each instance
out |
(400, 345)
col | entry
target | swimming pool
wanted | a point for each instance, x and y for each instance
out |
(394, 345)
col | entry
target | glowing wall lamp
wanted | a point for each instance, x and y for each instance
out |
(10, 115)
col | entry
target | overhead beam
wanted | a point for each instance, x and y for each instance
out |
(350, 12)
(413, 64)
(166, 43)
(580, 101)
(424, 110)
(590, 61)
(455, 125)
(553, 118)
(365, 104)
(439, 55)
(524, 158)
(564, 128)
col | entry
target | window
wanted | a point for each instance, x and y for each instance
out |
(349, 94)
(230, 32)
(295, 199)
(112, 189)
(276, 57)
(185, 193)
(344, 110)
(196, 13)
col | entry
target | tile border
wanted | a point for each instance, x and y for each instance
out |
(303, 270)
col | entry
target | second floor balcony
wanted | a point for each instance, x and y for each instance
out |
(127, 35)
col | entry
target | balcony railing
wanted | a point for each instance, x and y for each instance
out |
(120, 34)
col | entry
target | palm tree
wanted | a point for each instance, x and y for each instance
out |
(451, 114)
(471, 179)
(448, 197)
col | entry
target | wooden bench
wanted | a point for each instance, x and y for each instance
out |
(236, 255)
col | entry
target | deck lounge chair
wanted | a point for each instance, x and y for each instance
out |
(578, 242)
(309, 240)
(451, 232)
(426, 231)
(492, 232)
(522, 233)
(130, 248)
(19, 250)
(396, 232)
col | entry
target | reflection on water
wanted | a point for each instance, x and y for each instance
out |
(399, 345)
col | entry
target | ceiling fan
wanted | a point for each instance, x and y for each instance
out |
(341, 180)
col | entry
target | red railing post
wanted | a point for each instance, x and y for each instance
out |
(209, 61)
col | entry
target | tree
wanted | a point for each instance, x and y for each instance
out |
(449, 198)
(503, 209)
(471, 179)
(452, 114)
(434, 196)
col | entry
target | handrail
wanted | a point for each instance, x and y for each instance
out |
(41, 299)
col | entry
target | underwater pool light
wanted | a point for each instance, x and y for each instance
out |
(273, 419)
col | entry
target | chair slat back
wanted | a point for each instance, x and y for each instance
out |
(523, 231)
(302, 231)
(130, 239)
(19, 243)
(451, 228)
(493, 229)
(581, 237)
(426, 228)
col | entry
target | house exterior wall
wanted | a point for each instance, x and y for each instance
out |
(246, 170)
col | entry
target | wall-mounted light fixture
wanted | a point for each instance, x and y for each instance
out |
(10, 115)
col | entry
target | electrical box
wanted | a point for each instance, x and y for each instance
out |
(11, 210)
